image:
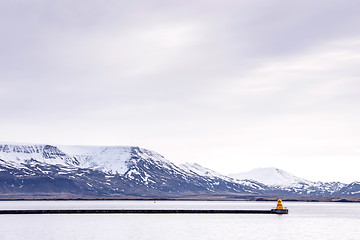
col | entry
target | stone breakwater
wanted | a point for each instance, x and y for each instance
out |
(142, 211)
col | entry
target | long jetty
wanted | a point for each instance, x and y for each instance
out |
(142, 211)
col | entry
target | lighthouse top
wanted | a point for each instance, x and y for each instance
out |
(279, 204)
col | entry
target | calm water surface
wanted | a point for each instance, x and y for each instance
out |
(305, 221)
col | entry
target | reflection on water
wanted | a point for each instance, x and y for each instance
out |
(305, 221)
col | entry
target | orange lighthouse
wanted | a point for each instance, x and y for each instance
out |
(279, 208)
(279, 204)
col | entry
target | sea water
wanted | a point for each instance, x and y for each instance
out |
(304, 221)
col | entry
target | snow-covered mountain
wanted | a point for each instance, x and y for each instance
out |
(291, 184)
(271, 177)
(104, 171)
(115, 159)
(39, 170)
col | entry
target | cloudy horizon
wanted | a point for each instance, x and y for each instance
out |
(231, 85)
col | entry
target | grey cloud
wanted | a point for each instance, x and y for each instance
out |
(139, 69)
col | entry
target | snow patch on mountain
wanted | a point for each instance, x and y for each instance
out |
(109, 159)
(271, 177)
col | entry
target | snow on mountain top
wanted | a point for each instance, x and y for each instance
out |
(107, 158)
(110, 159)
(200, 170)
(270, 176)
(21, 153)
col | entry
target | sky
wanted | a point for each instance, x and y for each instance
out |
(231, 85)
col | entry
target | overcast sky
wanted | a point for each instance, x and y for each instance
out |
(231, 85)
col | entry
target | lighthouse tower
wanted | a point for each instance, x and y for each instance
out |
(279, 208)
(279, 204)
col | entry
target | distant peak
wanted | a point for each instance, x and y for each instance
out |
(270, 176)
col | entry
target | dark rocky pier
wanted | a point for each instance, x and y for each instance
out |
(141, 211)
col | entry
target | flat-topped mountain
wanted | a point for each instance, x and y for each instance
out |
(47, 170)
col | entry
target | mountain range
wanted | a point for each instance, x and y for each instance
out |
(47, 171)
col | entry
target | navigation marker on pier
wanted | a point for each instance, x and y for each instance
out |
(279, 208)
